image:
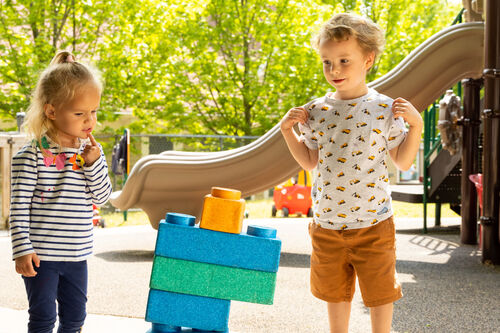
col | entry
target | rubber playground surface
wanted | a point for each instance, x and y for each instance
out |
(445, 286)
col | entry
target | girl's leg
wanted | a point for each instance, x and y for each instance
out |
(72, 297)
(42, 293)
(381, 318)
(338, 316)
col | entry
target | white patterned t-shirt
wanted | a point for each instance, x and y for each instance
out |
(353, 137)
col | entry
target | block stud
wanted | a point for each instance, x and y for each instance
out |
(260, 231)
(180, 219)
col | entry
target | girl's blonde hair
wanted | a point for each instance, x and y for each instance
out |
(369, 35)
(57, 85)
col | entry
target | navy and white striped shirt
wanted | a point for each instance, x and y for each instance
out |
(51, 210)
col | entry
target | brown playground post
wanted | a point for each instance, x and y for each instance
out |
(491, 146)
(470, 158)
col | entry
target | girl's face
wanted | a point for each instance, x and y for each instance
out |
(76, 119)
(345, 66)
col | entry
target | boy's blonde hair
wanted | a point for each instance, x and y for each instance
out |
(369, 35)
(58, 84)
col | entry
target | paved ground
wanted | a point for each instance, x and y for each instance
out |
(446, 287)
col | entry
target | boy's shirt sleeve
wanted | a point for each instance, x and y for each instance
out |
(396, 132)
(306, 134)
(98, 181)
(24, 177)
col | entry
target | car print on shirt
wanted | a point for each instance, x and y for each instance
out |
(341, 202)
(371, 171)
(328, 154)
(366, 112)
(371, 185)
(371, 211)
(374, 143)
(346, 131)
(348, 117)
(322, 120)
(344, 145)
(371, 157)
(362, 124)
(354, 181)
(361, 138)
(326, 210)
(355, 209)
(376, 130)
(371, 198)
(342, 215)
(356, 195)
(381, 117)
(341, 160)
(331, 126)
(356, 153)
(356, 167)
(352, 104)
(324, 108)
(341, 188)
(383, 105)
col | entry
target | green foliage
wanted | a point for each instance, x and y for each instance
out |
(204, 67)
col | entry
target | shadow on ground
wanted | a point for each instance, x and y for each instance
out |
(126, 256)
(448, 290)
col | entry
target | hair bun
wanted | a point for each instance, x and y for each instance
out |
(62, 57)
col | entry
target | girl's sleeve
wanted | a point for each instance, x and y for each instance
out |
(24, 177)
(98, 181)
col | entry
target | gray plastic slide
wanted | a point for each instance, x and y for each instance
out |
(178, 181)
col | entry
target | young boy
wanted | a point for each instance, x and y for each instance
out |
(347, 135)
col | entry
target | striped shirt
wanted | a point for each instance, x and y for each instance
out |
(51, 210)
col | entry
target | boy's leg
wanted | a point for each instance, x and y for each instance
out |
(338, 316)
(381, 318)
(72, 297)
(42, 291)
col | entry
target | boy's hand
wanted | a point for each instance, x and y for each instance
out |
(293, 116)
(91, 152)
(24, 264)
(403, 108)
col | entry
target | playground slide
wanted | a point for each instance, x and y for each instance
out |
(178, 181)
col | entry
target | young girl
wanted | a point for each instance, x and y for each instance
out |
(55, 180)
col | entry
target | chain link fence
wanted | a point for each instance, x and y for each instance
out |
(146, 144)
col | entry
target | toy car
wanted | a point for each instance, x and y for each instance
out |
(294, 197)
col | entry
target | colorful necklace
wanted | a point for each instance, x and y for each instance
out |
(60, 159)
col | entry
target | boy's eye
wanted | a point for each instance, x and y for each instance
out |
(94, 111)
(78, 114)
(344, 61)
(326, 62)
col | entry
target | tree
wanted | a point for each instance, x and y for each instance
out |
(31, 32)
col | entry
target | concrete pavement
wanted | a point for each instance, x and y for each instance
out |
(446, 287)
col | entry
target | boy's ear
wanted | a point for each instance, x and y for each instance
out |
(370, 59)
(50, 111)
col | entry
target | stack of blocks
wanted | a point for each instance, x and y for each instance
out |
(197, 271)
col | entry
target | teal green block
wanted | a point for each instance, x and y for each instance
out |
(208, 280)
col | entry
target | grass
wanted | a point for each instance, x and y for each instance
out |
(262, 209)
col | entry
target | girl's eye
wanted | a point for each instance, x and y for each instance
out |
(78, 114)
(344, 61)
(94, 111)
(326, 62)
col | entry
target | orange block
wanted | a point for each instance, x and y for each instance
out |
(223, 210)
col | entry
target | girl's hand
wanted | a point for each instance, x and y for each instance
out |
(403, 108)
(293, 116)
(91, 152)
(24, 264)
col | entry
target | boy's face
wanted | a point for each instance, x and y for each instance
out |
(345, 66)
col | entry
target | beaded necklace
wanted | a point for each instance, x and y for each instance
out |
(60, 159)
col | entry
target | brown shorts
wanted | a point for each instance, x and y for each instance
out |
(339, 255)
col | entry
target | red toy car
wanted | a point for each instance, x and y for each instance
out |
(97, 219)
(294, 197)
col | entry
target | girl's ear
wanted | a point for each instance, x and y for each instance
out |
(50, 111)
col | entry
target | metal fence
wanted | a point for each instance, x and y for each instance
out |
(146, 144)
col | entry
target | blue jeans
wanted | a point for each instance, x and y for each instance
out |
(65, 282)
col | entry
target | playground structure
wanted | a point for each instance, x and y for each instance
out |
(206, 267)
(177, 181)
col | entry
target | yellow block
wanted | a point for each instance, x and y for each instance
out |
(223, 211)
